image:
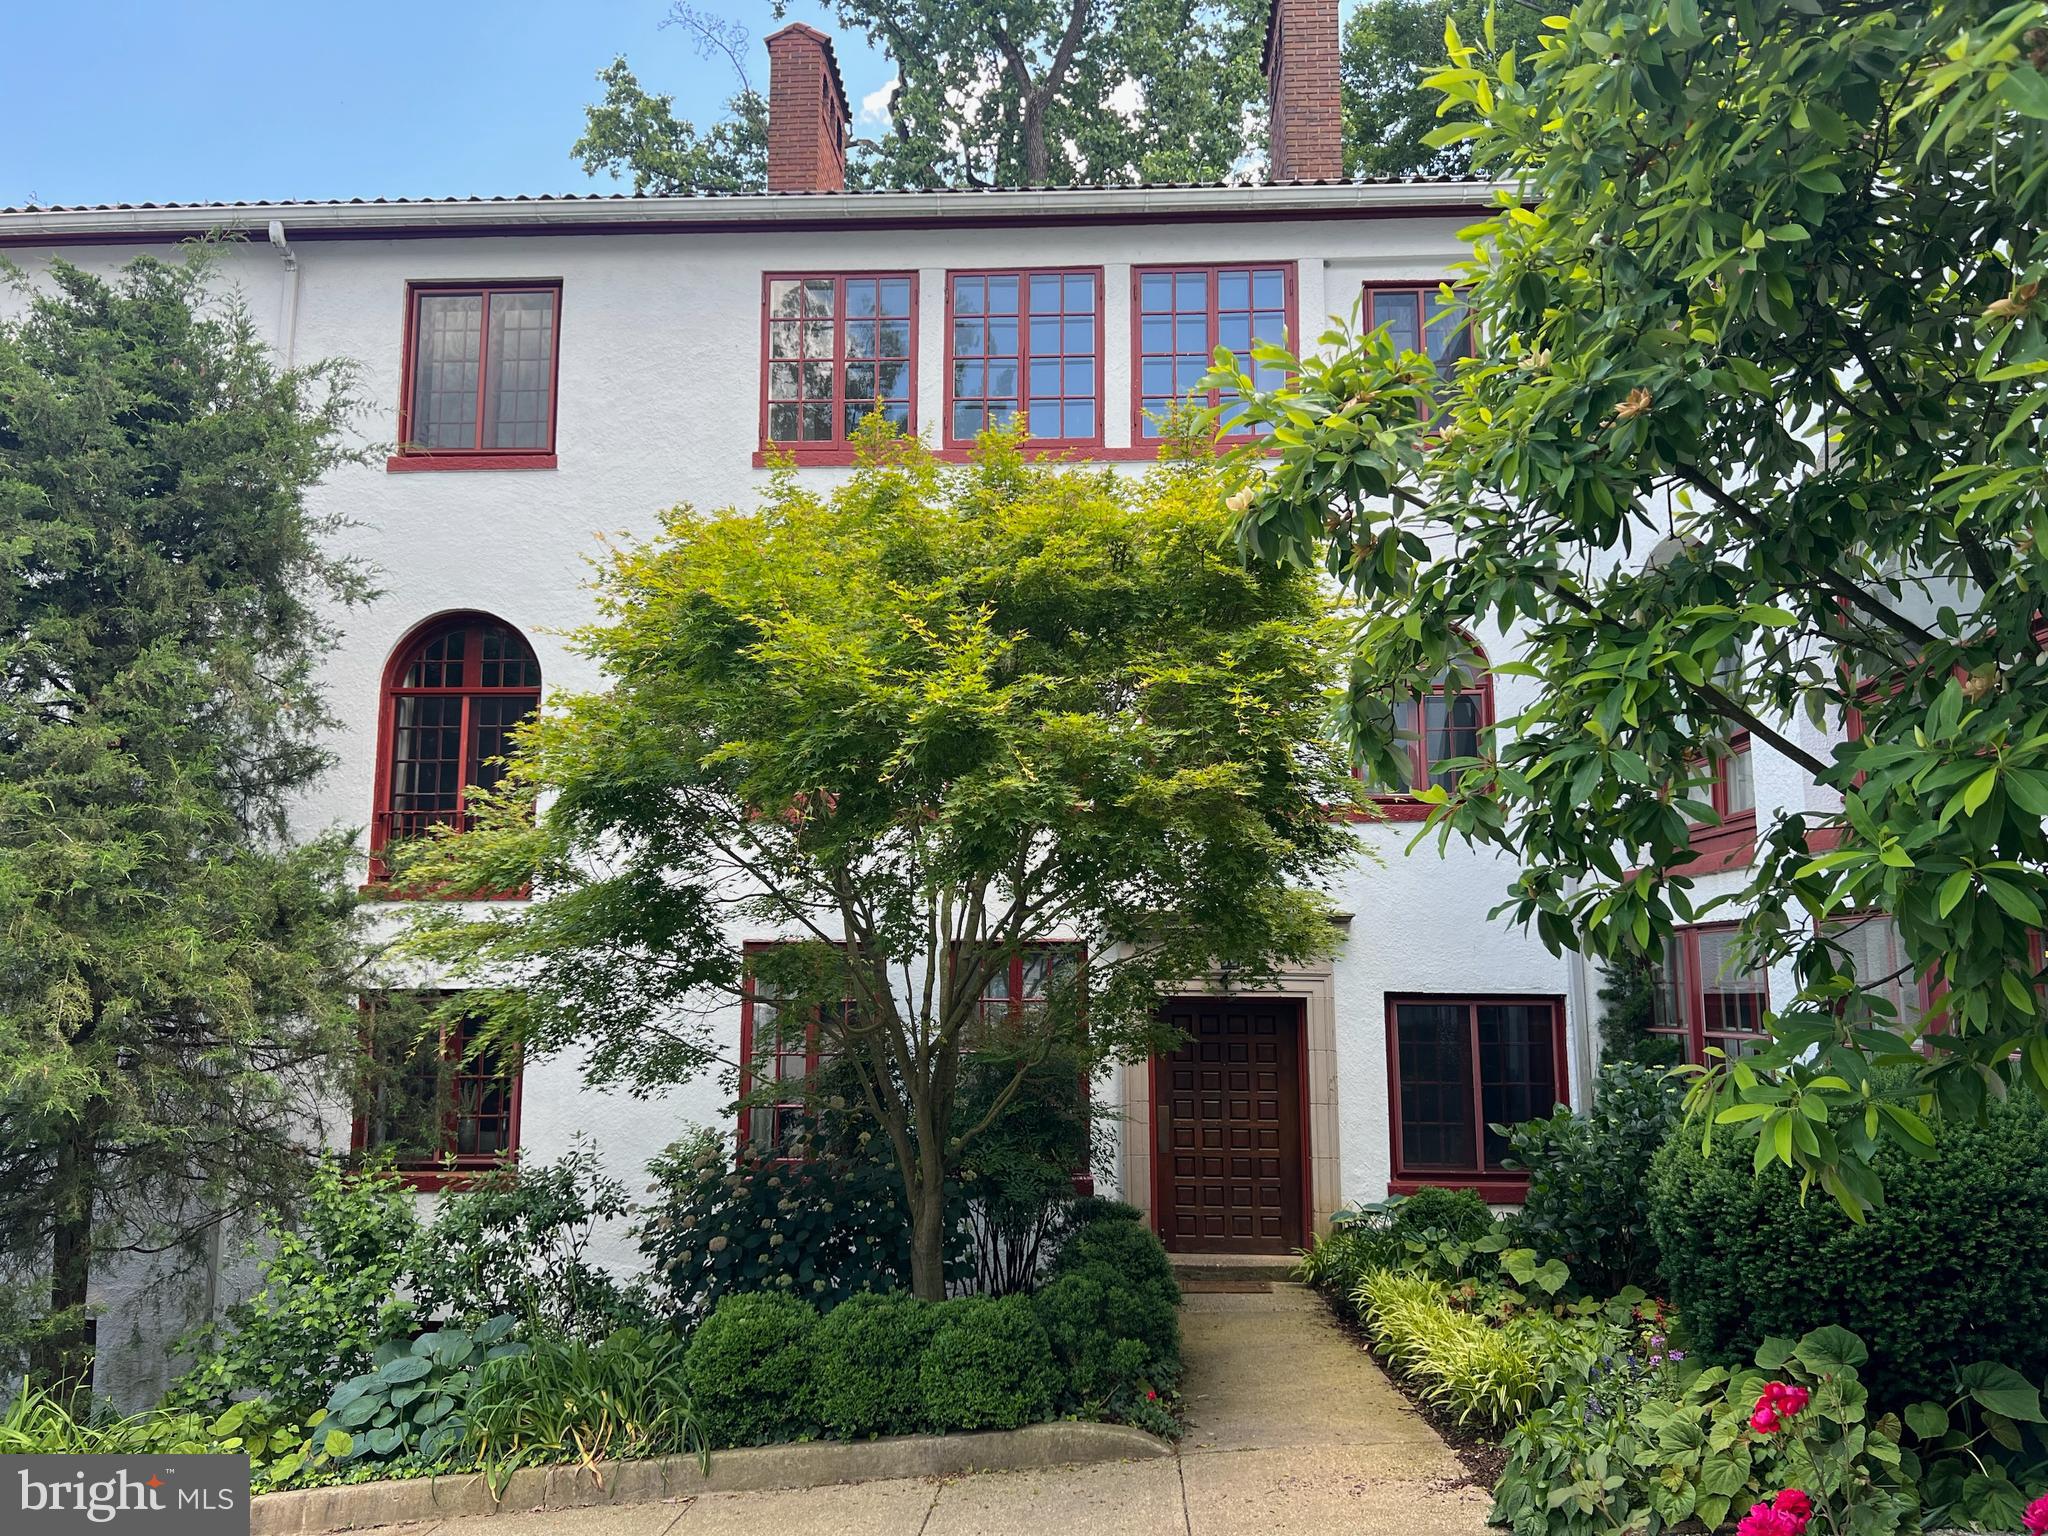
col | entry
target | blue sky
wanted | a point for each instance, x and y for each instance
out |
(189, 100)
(202, 100)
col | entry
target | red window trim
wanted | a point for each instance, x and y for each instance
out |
(1691, 1033)
(1024, 274)
(813, 1057)
(387, 729)
(839, 450)
(450, 1170)
(1495, 1184)
(1731, 842)
(1402, 807)
(1084, 1176)
(409, 460)
(1290, 304)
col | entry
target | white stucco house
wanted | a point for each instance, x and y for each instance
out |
(553, 369)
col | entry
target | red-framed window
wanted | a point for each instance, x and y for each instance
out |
(1028, 981)
(836, 349)
(480, 376)
(781, 1051)
(446, 1112)
(1729, 842)
(1181, 314)
(1706, 996)
(1450, 721)
(1460, 1065)
(1866, 944)
(454, 692)
(1419, 319)
(1025, 341)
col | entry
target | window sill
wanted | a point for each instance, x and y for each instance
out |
(1493, 1188)
(1080, 453)
(432, 1181)
(1731, 845)
(377, 890)
(1390, 808)
(413, 463)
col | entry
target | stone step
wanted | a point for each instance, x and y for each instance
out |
(1199, 1267)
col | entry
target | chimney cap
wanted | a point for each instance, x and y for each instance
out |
(798, 29)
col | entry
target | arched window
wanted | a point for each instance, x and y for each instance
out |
(452, 695)
(1450, 721)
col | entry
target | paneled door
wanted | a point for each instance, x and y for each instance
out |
(1227, 1107)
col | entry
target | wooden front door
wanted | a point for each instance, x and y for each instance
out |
(1228, 1134)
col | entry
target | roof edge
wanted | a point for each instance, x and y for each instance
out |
(57, 226)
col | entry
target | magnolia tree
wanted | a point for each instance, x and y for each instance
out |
(1753, 437)
(913, 725)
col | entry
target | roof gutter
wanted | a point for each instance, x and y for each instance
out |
(523, 215)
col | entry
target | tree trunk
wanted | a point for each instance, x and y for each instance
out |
(1037, 161)
(62, 1358)
(928, 1238)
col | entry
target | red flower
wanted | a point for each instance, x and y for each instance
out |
(1794, 1502)
(2036, 1517)
(1780, 1400)
(1764, 1421)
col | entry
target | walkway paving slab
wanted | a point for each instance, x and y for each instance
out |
(1115, 1500)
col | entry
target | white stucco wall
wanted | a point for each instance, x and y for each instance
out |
(659, 402)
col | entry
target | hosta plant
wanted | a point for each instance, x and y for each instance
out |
(414, 1404)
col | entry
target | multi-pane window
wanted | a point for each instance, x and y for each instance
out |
(1706, 997)
(1448, 722)
(453, 697)
(443, 1100)
(1866, 946)
(1030, 979)
(781, 1051)
(481, 374)
(1419, 318)
(1185, 313)
(840, 349)
(1025, 342)
(1463, 1065)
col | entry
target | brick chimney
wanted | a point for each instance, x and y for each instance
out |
(1301, 74)
(807, 114)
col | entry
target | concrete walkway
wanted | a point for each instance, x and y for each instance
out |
(1291, 1429)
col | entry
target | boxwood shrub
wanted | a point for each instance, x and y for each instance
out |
(749, 1370)
(866, 1354)
(989, 1365)
(1951, 1269)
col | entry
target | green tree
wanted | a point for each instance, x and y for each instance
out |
(1390, 48)
(1753, 439)
(936, 714)
(1053, 92)
(175, 970)
(635, 135)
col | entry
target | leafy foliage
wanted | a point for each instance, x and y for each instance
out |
(938, 713)
(1660, 1454)
(1403, 1233)
(868, 1351)
(1017, 1182)
(515, 1242)
(1112, 1313)
(1754, 440)
(989, 1365)
(568, 1399)
(332, 1274)
(179, 975)
(1589, 1178)
(413, 1405)
(1390, 48)
(1948, 1271)
(1978, 1450)
(823, 1226)
(35, 1423)
(749, 1370)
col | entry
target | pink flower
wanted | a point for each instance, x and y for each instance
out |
(2036, 1517)
(1780, 1400)
(1764, 1422)
(1794, 1502)
(1762, 1520)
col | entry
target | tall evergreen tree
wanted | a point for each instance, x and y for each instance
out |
(174, 973)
